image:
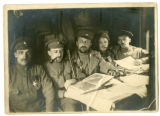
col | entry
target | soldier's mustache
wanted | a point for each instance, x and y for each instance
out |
(83, 47)
(24, 59)
(104, 47)
(59, 57)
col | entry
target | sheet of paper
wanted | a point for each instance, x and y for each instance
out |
(93, 81)
(96, 78)
(135, 80)
(128, 63)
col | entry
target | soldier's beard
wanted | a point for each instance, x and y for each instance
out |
(83, 49)
(58, 59)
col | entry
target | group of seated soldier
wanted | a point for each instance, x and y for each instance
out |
(38, 88)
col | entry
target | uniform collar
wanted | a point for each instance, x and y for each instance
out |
(52, 62)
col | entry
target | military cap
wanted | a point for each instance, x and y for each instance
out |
(103, 34)
(125, 32)
(21, 44)
(54, 41)
(88, 34)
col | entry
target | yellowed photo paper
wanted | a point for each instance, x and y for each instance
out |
(81, 58)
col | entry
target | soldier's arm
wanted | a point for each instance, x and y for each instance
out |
(47, 89)
(70, 76)
(145, 56)
(67, 71)
(79, 74)
(114, 53)
(72, 71)
(145, 60)
(103, 65)
(12, 91)
(142, 56)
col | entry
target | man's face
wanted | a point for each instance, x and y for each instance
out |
(124, 41)
(23, 56)
(103, 44)
(56, 54)
(83, 44)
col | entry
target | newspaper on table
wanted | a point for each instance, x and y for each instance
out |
(129, 63)
(103, 100)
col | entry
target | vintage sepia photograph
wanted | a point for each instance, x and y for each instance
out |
(81, 58)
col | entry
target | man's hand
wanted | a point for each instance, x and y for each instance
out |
(138, 62)
(117, 73)
(65, 94)
(69, 82)
(61, 93)
(112, 72)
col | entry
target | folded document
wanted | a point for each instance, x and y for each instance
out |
(129, 63)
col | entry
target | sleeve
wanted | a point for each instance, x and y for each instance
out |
(79, 74)
(113, 52)
(47, 89)
(142, 54)
(10, 80)
(68, 71)
(145, 60)
(110, 52)
(104, 66)
(73, 72)
(12, 90)
(145, 56)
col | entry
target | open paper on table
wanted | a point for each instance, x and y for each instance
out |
(102, 100)
(128, 63)
(93, 81)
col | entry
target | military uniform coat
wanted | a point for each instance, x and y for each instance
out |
(135, 52)
(92, 62)
(59, 72)
(30, 89)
